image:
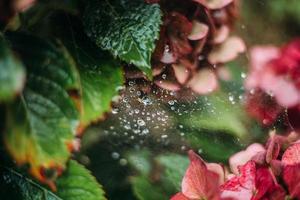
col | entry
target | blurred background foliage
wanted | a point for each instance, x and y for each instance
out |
(150, 166)
(139, 150)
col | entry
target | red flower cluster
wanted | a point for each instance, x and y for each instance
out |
(194, 40)
(258, 173)
(274, 83)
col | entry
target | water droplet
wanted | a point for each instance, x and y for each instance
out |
(115, 111)
(243, 75)
(146, 100)
(123, 162)
(141, 122)
(115, 155)
(171, 102)
(164, 136)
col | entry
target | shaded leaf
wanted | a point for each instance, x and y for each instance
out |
(132, 31)
(42, 123)
(78, 183)
(214, 146)
(15, 186)
(217, 113)
(174, 168)
(140, 161)
(145, 190)
(12, 73)
(100, 76)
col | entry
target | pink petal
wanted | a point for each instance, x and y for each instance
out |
(194, 180)
(179, 196)
(204, 81)
(199, 31)
(181, 73)
(227, 51)
(168, 85)
(243, 157)
(264, 182)
(286, 93)
(23, 5)
(214, 4)
(217, 169)
(291, 177)
(292, 155)
(260, 56)
(221, 34)
(168, 56)
(242, 185)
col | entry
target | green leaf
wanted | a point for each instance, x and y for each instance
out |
(218, 114)
(218, 128)
(15, 186)
(101, 77)
(169, 168)
(42, 123)
(78, 183)
(12, 73)
(145, 190)
(174, 169)
(214, 146)
(127, 28)
(140, 161)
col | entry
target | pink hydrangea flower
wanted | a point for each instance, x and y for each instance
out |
(274, 75)
(259, 173)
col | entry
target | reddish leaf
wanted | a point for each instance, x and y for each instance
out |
(199, 182)
(179, 196)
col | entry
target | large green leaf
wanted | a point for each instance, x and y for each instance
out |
(214, 146)
(127, 28)
(15, 186)
(168, 169)
(42, 123)
(78, 183)
(12, 73)
(100, 75)
(217, 114)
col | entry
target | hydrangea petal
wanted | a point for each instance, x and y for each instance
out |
(242, 185)
(243, 157)
(204, 81)
(199, 31)
(292, 155)
(181, 73)
(214, 4)
(227, 51)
